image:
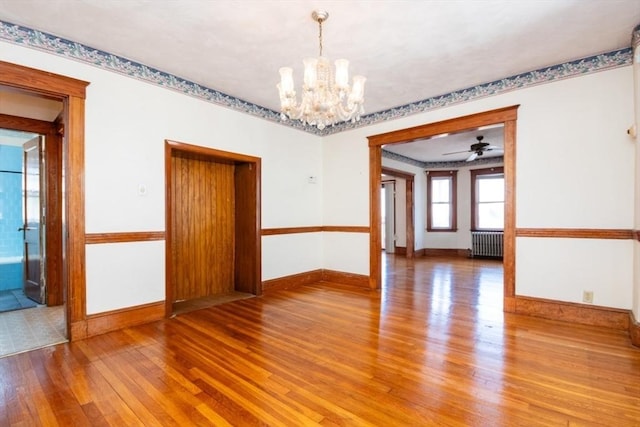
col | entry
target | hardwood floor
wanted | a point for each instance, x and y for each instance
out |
(433, 348)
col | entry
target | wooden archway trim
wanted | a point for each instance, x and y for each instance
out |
(506, 116)
(72, 93)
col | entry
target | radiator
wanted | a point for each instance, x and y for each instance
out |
(486, 243)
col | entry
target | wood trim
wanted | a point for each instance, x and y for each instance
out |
(290, 230)
(375, 218)
(400, 250)
(41, 82)
(53, 219)
(346, 228)
(292, 281)
(634, 329)
(124, 237)
(573, 312)
(73, 227)
(577, 233)
(248, 245)
(315, 229)
(100, 323)
(636, 235)
(455, 125)
(208, 153)
(506, 116)
(397, 173)
(24, 124)
(350, 279)
(168, 218)
(509, 238)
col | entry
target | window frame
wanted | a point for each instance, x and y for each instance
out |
(475, 173)
(453, 199)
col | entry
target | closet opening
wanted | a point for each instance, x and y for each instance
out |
(213, 249)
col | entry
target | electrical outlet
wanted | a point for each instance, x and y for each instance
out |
(587, 296)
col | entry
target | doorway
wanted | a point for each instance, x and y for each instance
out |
(409, 208)
(31, 288)
(213, 251)
(506, 116)
(68, 128)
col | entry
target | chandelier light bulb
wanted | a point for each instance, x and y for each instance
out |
(326, 96)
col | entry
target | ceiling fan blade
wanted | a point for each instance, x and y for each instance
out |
(492, 147)
(457, 152)
(472, 157)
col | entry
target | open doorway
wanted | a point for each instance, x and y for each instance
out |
(31, 288)
(506, 117)
(403, 210)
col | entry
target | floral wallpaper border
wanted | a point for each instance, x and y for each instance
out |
(39, 40)
(441, 165)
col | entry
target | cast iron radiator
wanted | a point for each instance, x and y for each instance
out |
(486, 243)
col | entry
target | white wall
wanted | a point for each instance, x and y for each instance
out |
(127, 122)
(574, 168)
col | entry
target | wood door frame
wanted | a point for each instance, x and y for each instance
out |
(409, 206)
(506, 116)
(72, 93)
(252, 270)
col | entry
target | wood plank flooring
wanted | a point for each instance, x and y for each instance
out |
(433, 348)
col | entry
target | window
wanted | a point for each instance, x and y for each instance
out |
(487, 199)
(441, 200)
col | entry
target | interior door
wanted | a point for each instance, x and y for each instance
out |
(33, 209)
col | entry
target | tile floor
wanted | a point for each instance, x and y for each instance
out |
(31, 328)
(14, 299)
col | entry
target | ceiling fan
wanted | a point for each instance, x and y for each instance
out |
(477, 149)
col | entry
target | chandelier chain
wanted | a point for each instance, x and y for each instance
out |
(320, 33)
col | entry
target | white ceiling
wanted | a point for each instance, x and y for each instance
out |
(434, 149)
(409, 50)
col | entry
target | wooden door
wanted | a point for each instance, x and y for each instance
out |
(33, 230)
(202, 226)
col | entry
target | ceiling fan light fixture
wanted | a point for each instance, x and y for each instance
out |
(326, 97)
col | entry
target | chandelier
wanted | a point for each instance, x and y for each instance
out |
(327, 97)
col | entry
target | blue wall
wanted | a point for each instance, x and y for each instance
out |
(11, 243)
